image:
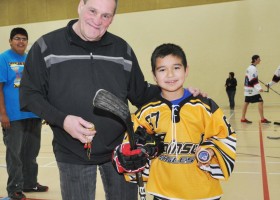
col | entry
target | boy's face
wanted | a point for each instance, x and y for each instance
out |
(170, 73)
(19, 43)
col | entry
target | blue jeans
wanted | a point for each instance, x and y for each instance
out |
(231, 95)
(79, 182)
(22, 142)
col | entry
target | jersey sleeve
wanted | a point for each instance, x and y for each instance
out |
(33, 89)
(221, 138)
(276, 76)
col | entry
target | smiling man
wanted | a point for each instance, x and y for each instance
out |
(63, 71)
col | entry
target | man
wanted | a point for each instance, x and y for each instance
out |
(252, 89)
(64, 69)
(21, 130)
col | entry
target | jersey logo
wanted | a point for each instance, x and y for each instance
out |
(179, 153)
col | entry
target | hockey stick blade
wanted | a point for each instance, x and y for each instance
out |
(273, 137)
(276, 123)
(107, 101)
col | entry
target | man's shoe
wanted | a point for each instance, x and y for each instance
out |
(17, 196)
(265, 121)
(38, 188)
(246, 121)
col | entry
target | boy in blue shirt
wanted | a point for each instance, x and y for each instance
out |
(21, 130)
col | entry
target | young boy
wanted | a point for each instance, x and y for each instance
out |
(199, 144)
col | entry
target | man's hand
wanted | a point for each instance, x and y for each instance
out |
(195, 92)
(127, 160)
(79, 128)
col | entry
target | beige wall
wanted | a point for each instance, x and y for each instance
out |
(33, 11)
(217, 38)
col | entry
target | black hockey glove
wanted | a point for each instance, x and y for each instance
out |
(127, 160)
(153, 144)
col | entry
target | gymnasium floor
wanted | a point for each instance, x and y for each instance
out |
(256, 175)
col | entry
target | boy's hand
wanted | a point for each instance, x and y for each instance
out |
(204, 156)
(127, 160)
(151, 144)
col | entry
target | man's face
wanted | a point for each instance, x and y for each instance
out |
(94, 18)
(19, 43)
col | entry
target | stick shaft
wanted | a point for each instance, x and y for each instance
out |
(105, 100)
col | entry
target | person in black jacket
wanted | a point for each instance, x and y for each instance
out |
(62, 73)
(231, 84)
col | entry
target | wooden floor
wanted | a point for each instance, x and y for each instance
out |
(256, 175)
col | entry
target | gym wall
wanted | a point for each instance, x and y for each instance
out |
(217, 38)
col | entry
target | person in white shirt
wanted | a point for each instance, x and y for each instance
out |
(252, 89)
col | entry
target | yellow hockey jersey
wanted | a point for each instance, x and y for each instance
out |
(196, 121)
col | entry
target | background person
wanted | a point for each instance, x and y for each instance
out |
(21, 130)
(275, 78)
(252, 89)
(231, 84)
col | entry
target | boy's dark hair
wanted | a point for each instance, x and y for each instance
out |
(232, 74)
(165, 50)
(254, 58)
(18, 30)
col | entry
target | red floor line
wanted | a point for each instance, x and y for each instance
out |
(263, 164)
(4, 198)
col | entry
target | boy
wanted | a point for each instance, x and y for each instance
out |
(191, 124)
(21, 130)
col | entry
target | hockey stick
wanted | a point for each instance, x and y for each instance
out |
(269, 88)
(273, 137)
(105, 100)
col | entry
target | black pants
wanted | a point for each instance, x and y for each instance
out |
(22, 142)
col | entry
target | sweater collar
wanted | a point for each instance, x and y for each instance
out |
(75, 39)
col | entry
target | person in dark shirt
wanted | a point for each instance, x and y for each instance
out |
(231, 84)
(63, 71)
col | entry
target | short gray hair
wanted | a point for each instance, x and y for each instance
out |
(116, 1)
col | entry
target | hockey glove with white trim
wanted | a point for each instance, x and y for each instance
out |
(127, 160)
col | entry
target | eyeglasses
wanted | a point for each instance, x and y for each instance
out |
(24, 39)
